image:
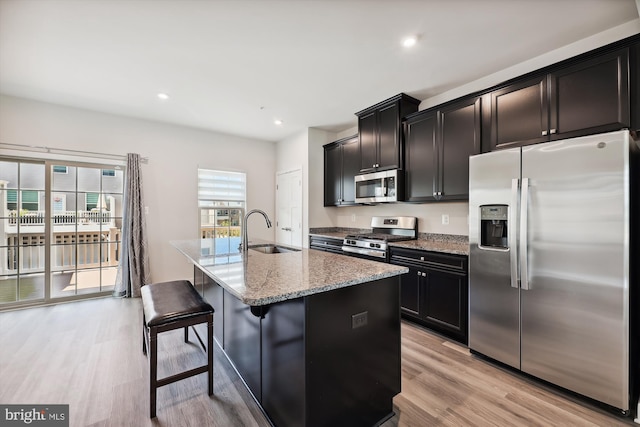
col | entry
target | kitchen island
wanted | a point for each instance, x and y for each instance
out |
(314, 336)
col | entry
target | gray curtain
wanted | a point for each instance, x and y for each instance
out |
(133, 266)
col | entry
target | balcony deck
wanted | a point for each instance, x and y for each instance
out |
(63, 284)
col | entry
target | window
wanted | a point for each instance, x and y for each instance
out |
(92, 201)
(60, 169)
(30, 200)
(108, 172)
(221, 199)
(59, 202)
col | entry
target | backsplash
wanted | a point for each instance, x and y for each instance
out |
(430, 216)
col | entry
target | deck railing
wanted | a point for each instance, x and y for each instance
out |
(60, 217)
(68, 250)
(85, 239)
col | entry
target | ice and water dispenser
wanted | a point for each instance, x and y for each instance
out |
(494, 226)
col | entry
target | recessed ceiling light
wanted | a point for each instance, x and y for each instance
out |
(278, 122)
(163, 96)
(409, 41)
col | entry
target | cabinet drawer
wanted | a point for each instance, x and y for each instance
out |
(430, 260)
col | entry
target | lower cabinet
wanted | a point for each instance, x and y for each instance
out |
(435, 291)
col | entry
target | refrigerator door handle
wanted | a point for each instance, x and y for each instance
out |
(513, 242)
(524, 206)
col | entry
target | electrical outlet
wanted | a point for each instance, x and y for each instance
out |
(445, 219)
(359, 320)
(353, 217)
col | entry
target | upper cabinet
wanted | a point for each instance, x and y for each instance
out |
(590, 96)
(341, 164)
(437, 149)
(634, 79)
(380, 133)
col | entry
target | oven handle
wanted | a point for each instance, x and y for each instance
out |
(372, 252)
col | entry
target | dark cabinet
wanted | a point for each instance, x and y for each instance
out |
(588, 97)
(634, 79)
(214, 294)
(438, 145)
(434, 292)
(380, 133)
(242, 341)
(341, 164)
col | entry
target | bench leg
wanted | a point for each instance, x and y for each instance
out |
(153, 370)
(144, 337)
(210, 352)
(186, 334)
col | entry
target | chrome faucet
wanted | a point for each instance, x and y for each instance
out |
(245, 238)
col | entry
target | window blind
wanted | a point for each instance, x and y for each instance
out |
(214, 185)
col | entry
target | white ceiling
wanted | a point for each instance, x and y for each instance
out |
(235, 66)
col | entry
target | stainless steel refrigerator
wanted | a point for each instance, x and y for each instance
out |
(549, 262)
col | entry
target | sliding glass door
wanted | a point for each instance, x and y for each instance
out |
(60, 231)
(85, 218)
(22, 244)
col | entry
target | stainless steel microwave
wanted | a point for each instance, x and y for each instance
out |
(380, 187)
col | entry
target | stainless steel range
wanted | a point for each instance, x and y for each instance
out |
(385, 229)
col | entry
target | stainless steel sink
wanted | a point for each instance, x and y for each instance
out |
(272, 249)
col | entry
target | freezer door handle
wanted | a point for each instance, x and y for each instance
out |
(513, 245)
(524, 205)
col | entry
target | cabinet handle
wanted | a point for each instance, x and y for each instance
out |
(552, 131)
(544, 133)
(421, 258)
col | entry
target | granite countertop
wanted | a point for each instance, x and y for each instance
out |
(448, 244)
(256, 278)
(445, 243)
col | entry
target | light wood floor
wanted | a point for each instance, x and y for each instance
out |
(88, 355)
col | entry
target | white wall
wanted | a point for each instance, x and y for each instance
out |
(565, 52)
(304, 151)
(170, 178)
(430, 214)
(291, 154)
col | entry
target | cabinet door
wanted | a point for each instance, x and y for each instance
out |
(590, 97)
(332, 174)
(214, 294)
(445, 302)
(420, 157)
(367, 133)
(410, 292)
(519, 114)
(350, 168)
(389, 137)
(459, 139)
(242, 341)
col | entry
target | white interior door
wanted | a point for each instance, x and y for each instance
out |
(289, 208)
